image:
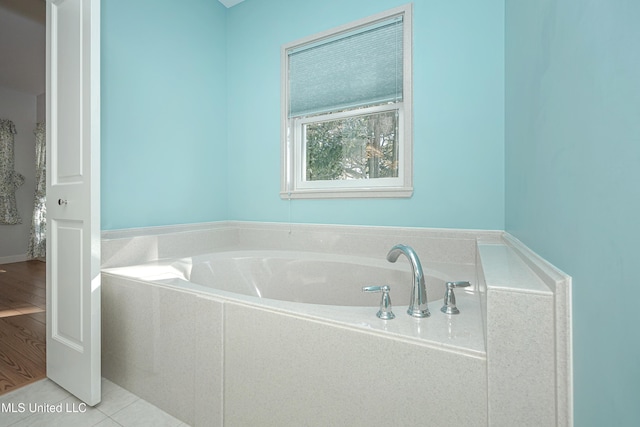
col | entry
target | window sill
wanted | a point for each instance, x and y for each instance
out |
(348, 193)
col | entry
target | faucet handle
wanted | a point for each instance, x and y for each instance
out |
(385, 312)
(449, 306)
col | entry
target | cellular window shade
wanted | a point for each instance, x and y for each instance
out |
(359, 68)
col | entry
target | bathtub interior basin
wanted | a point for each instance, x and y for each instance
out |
(296, 276)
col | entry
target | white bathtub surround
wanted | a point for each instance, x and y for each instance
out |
(528, 312)
(233, 359)
(139, 245)
(135, 246)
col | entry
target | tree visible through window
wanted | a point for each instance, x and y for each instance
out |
(360, 147)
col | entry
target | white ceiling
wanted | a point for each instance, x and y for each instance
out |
(230, 3)
(22, 45)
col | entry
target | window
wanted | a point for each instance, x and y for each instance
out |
(346, 110)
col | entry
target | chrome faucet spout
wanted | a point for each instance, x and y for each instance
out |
(418, 304)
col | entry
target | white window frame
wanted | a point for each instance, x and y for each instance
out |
(293, 148)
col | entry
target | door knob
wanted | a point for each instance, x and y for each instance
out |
(62, 202)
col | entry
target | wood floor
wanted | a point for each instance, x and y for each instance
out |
(22, 324)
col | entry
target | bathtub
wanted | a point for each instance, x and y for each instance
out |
(235, 324)
(325, 286)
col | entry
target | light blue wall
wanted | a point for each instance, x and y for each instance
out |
(458, 113)
(191, 133)
(573, 180)
(164, 120)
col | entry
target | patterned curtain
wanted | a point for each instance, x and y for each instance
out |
(38, 236)
(9, 179)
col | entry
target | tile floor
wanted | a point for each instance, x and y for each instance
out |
(118, 408)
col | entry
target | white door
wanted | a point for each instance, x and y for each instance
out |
(73, 196)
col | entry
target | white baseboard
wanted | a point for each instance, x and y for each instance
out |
(13, 258)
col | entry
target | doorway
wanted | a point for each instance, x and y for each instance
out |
(73, 180)
(22, 282)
